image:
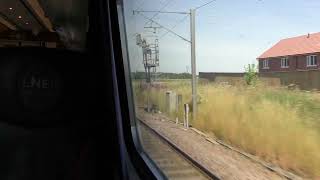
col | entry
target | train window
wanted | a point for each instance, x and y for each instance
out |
(205, 105)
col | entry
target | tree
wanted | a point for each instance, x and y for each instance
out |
(251, 74)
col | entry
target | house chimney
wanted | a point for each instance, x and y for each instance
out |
(308, 35)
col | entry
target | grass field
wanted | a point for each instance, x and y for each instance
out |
(277, 125)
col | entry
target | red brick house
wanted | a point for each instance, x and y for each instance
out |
(292, 54)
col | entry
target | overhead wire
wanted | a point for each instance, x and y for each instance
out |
(205, 4)
(157, 13)
(140, 5)
(185, 39)
(184, 18)
(174, 26)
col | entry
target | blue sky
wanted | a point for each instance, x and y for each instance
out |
(229, 33)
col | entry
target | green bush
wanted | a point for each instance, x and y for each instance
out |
(251, 75)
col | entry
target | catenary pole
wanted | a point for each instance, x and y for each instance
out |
(193, 63)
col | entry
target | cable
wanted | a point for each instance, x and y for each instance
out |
(165, 12)
(164, 27)
(140, 6)
(205, 4)
(156, 14)
(179, 22)
(184, 18)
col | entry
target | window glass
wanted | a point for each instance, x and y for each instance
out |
(284, 62)
(207, 82)
(265, 63)
(311, 60)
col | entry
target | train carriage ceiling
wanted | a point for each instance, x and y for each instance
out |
(23, 15)
(68, 18)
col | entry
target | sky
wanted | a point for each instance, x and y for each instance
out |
(229, 33)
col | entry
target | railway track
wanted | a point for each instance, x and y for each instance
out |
(174, 163)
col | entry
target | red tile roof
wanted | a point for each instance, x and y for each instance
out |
(294, 46)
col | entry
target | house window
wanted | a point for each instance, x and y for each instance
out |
(312, 60)
(284, 62)
(265, 64)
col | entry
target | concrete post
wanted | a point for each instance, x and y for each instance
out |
(186, 116)
(178, 107)
(171, 101)
(193, 62)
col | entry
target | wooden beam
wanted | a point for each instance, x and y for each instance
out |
(34, 7)
(3, 28)
(5, 21)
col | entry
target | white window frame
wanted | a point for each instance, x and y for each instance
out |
(312, 61)
(265, 64)
(285, 62)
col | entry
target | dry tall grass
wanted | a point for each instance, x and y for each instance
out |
(271, 130)
(277, 125)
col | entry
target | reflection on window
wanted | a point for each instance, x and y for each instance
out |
(44, 23)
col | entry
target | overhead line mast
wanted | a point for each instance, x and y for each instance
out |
(193, 52)
(191, 41)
